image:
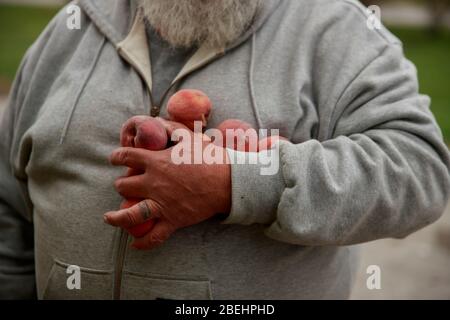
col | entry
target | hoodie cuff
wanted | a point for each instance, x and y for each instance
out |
(257, 184)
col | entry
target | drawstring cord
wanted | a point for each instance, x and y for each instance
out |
(250, 82)
(80, 91)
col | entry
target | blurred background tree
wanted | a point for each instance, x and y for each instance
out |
(438, 10)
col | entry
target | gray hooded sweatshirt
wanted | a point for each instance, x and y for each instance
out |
(365, 159)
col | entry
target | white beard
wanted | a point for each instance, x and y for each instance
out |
(188, 23)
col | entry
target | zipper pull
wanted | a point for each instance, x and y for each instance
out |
(154, 111)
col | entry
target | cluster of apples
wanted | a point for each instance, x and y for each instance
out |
(186, 107)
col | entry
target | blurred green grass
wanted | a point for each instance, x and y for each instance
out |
(431, 55)
(20, 26)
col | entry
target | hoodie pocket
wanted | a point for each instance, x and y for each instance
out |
(151, 287)
(63, 283)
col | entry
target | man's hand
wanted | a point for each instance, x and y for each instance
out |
(176, 196)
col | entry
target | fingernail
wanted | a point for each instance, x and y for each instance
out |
(105, 218)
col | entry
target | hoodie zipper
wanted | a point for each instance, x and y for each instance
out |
(156, 109)
(121, 253)
(120, 260)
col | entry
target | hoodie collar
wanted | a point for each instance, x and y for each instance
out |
(122, 24)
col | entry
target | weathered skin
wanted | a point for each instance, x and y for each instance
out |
(147, 133)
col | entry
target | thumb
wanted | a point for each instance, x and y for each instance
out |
(129, 217)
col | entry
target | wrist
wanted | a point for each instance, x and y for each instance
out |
(224, 201)
(224, 172)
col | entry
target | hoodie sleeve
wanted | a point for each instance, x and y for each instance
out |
(16, 232)
(384, 172)
(17, 270)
